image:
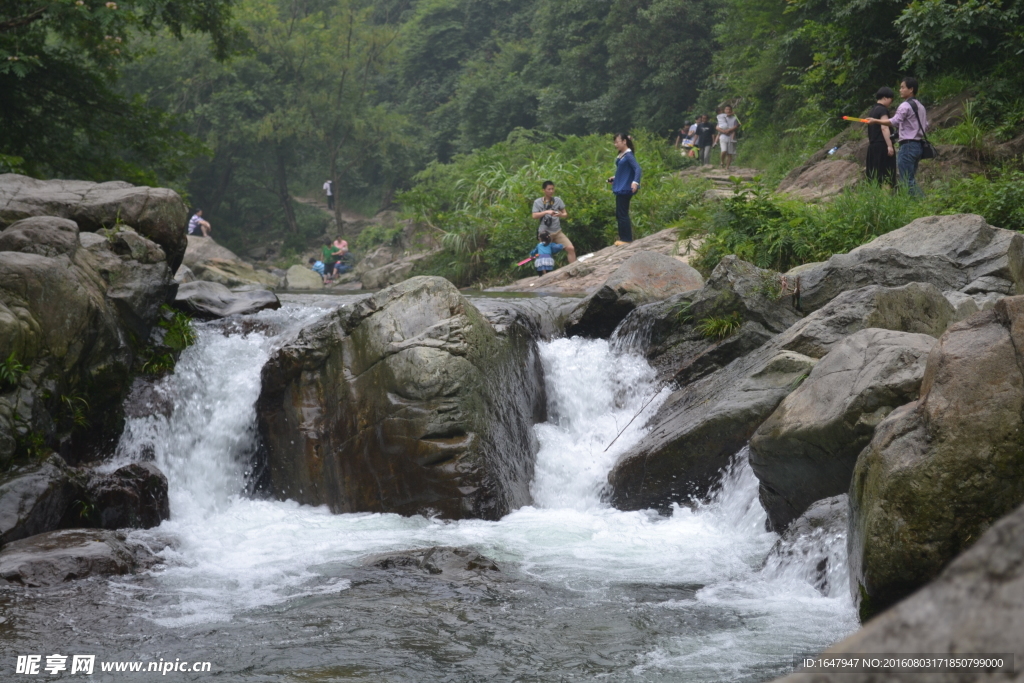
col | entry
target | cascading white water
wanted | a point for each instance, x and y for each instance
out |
(232, 555)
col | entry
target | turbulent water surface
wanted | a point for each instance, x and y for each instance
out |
(274, 591)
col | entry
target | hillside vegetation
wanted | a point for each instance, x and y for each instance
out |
(453, 110)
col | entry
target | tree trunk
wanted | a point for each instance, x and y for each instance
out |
(283, 194)
(338, 220)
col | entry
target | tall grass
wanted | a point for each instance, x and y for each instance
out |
(482, 201)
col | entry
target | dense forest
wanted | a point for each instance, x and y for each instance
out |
(244, 105)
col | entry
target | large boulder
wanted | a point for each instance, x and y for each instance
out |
(704, 423)
(40, 498)
(976, 605)
(36, 499)
(300, 277)
(960, 252)
(807, 449)
(42, 235)
(131, 497)
(157, 213)
(701, 427)
(676, 336)
(209, 300)
(207, 260)
(407, 402)
(941, 470)
(645, 277)
(56, 557)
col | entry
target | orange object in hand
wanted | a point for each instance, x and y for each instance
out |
(853, 118)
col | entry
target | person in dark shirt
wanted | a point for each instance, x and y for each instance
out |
(881, 163)
(705, 140)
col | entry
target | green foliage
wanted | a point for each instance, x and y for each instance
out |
(1000, 200)
(11, 371)
(179, 333)
(944, 32)
(76, 409)
(714, 327)
(771, 285)
(59, 60)
(777, 233)
(482, 201)
(158, 364)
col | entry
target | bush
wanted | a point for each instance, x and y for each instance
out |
(1000, 199)
(482, 201)
(778, 233)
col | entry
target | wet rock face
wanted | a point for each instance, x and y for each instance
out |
(157, 213)
(209, 300)
(941, 470)
(645, 277)
(960, 252)
(75, 307)
(975, 605)
(703, 424)
(807, 448)
(408, 402)
(701, 427)
(59, 556)
(54, 496)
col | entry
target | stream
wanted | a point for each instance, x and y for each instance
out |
(266, 590)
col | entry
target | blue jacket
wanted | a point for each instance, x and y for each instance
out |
(545, 254)
(627, 172)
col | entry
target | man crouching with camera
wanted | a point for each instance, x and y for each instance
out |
(550, 210)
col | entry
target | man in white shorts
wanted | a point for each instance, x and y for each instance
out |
(728, 124)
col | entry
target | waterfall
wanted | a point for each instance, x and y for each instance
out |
(698, 577)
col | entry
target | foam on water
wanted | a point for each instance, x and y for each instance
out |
(231, 553)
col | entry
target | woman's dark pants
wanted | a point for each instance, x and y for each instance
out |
(622, 216)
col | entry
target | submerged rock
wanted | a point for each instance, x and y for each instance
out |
(976, 605)
(941, 470)
(408, 402)
(807, 448)
(645, 277)
(210, 300)
(440, 561)
(59, 556)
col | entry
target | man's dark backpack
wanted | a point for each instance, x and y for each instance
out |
(927, 150)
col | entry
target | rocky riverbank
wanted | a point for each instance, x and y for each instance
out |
(879, 393)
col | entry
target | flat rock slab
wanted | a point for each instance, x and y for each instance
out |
(56, 557)
(586, 277)
(823, 179)
(211, 300)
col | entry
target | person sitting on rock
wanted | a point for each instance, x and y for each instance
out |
(318, 267)
(197, 226)
(342, 259)
(545, 253)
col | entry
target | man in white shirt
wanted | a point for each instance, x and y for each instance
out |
(728, 124)
(329, 189)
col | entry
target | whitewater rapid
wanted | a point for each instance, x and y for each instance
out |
(700, 575)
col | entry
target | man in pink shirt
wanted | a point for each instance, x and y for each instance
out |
(911, 121)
